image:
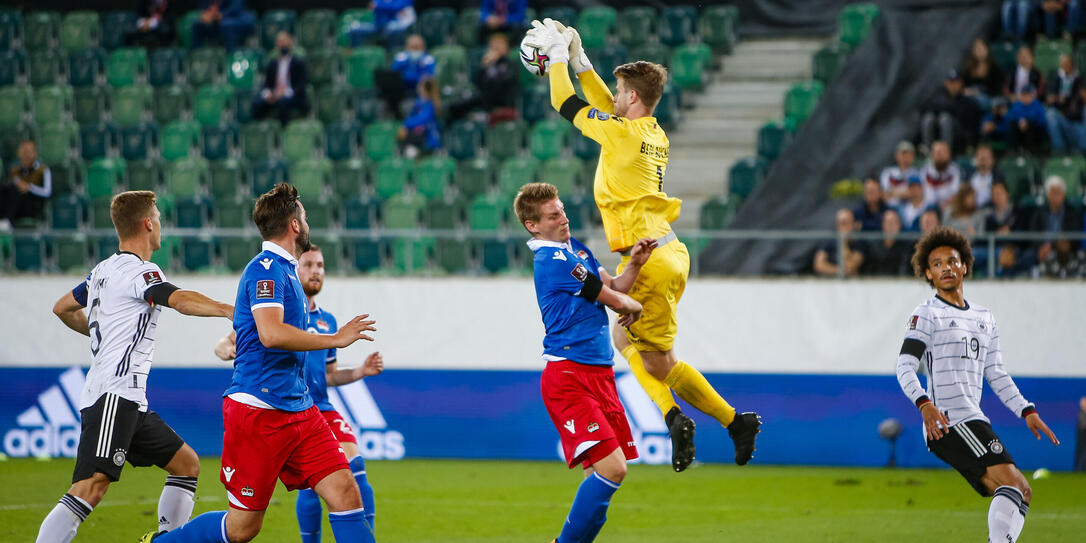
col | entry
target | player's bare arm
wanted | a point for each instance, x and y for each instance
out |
(70, 312)
(1038, 427)
(190, 302)
(639, 255)
(627, 307)
(373, 365)
(276, 334)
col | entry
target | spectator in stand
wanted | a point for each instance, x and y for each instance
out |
(1060, 16)
(983, 78)
(1029, 128)
(1016, 18)
(869, 213)
(916, 202)
(391, 20)
(285, 79)
(420, 132)
(507, 17)
(963, 214)
(951, 116)
(984, 174)
(995, 128)
(891, 254)
(28, 187)
(929, 220)
(154, 27)
(1055, 216)
(826, 259)
(1025, 73)
(409, 67)
(895, 179)
(1063, 261)
(1063, 84)
(942, 177)
(1065, 118)
(1002, 218)
(227, 20)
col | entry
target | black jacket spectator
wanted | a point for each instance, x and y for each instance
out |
(27, 187)
(981, 72)
(154, 26)
(285, 80)
(890, 255)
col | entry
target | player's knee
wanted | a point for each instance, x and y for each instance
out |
(615, 473)
(1027, 492)
(91, 489)
(242, 530)
(185, 463)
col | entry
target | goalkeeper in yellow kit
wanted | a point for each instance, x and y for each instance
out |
(628, 188)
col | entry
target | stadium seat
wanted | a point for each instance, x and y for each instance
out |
(360, 213)
(367, 106)
(452, 255)
(68, 212)
(126, 66)
(67, 176)
(242, 105)
(505, 140)
(452, 64)
(164, 257)
(487, 213)
(403, 211)
(146, 174)
(828, 60)
(801, 101)
(467, 26)
(351, 18)
(186, 177)
(564, 173)
(59, 141)
(744, 175)
(514, 173)
(594, 24)
(667, 109)
(855, 22)
(390, 177)
(323, 66)
(342, 139)
(463, 138)
(579, 211)
(193, 212)
(445, 214)
(411, 255)
(11, 136)
(275, 21)
(234, 213)
(716, 27)
(535, 102)
(1072, 169)
(242, 68)
(197, 253)
(225, 178)
(259, 139)
(47, 67)
(333, 103)
(717, 213)
(688, 67)
(637, 24)
(773, 137)
(606, 58)
(95, 139)
(1005, 54)
(130, 104)
(137, 140)
(71, 252)
(79, 30)
(13, 66)
(311, 176)
(496, 255)
(367, 254)
(586, 148)
(219, 140)
(238, 251)
(380, 140)
(433, 176)
(437, 26)
(210, 106)
(29, 253)
(86, 67)
(104, 177)
(349, 177)
(361, 63)
(179, 138)
(473, 177)
(316, 29)
(652, 52)
(563, 14)
(302, 139)
(100, 219)
(41, 30)
(547, 138)
(89, 104)
(266, 174)
(677, 24)
(171, 102)
(11, 28)
(1046, 55)
(113, 20)
(1020, 175)
(207, 65)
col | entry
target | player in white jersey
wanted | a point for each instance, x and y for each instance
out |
(957, 344)
(125, 294)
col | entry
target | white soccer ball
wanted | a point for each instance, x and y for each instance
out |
(534, 59)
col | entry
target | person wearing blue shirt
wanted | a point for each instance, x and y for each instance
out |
(391, 19)
(272, 429)
(402, 77)
(228, 20)
(1027, 120)
(505, 16)
(578, 383)
(420, 131)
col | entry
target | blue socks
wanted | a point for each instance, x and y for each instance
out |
(308, 508)
(358, 469)
(207, 528)
(350, 527)
(589, 510)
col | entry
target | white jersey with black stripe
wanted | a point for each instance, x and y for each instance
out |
(122, 328)
(961, 349)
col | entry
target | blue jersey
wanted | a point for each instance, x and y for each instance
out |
(577, 329)
(274, 376)
(320, 322)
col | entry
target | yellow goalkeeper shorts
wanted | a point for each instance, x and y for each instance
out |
(658, 288)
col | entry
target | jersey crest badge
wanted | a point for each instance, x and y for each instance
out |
(592, 427)
(597, 114)
(152, 277)
(267, 262)
(265, 289)
(995, 446)
(579, 273)
(912, 322)
(322, 325)
(558, 255)
(583, 255)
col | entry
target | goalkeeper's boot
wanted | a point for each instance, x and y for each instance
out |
(743, 430)
(150, 536)
(681, 428)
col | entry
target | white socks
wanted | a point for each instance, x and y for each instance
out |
(61, 523)
(1006, 515)
(176, 502)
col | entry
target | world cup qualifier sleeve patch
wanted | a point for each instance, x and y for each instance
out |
(152, 277)
(265, 289)
(912, 322)
(579, 273)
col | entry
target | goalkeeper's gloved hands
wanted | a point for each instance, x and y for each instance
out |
(550, 40)
(578, 60)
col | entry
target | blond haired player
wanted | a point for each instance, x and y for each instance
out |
(628, 188)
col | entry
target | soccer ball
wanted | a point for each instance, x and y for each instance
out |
(534, 59)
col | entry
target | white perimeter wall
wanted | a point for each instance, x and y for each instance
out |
(750, 326)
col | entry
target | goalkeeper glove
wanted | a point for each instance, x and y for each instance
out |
(550, 40)
(578, 60)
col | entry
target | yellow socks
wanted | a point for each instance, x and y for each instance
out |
(691, 386)
(655, 388)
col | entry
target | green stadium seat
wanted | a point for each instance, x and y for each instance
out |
(855, 22)
(79, 30)
(311, 176)
(186, 177)
(379, 141)
(360, 213)
(302, 139)
(716, 27)
(487, 213)
(316, 29)
(367, 107)
(136, 141)
(1020, 175)
(437, 26)
(126, 66)
(514, 173)
(1005, 54)
(130, 104)
(86, 67)
(29, 253)
(361, 63)
(104, 177)
(580, 212)
(606, 58)
(13, 66)
(243, 67)
(242, 105)
(390, 177)
(828, 60)
(452, 255)
(184, 27)
(717, 213)
(652, 52)
(273, 22)
(744, 175)
(68, 212)
(72, 252)
(1072, 169)
(563, 173)
(238, 251)
(594, 24)
(114, 20)
(467, 26)
(496, 255)
(164, 66)
(67, 175)
(165, 255)
(47, 67)
(348, 178)
(323, 66)
(688, 67)
(258, 139)
(773, 137)
(266, 174)
(586, 148)
(547, 138)
(41, 30)
(452, 64)
(563, 14)
(106, 244)
(350, 18)
(367, 254)
(197, 253)
(801, 101)
(59, 141)
(637, 24)
(505, 140)
(411, 255)
(179, 138)
(321, 213)
(225, 178)
(1046, 55)
(677, 24)
(334, 103)
(234, 213)
(99, 206)
(171, 102)
(473, 177)
(193, 212)
(219, 140)
(89, 104)
(343, 138)
(11, 28)
(166, 206)
(535, 102)
(667, 109)
(445, 214)
(403, 211)
(12, 136)
(211, 104)
(207, 65)
(433, 176)
(146, 174)
(95, 139)
(463, 138)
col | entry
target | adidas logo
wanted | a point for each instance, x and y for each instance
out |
(51, 426)
(375, 440)
(953, 324)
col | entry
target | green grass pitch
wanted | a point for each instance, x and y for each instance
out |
(423, 501)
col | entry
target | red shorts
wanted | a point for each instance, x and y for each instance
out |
(340, 427)
(261, 445)
(584, 406)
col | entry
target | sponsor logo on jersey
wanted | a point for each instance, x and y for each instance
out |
(597, 114)
(266, 262)
(911, 323)
(228, 472)
(953, 324)
(356, 407)
(558, 255)
(265, 289)
(50, 427)
(579, 272)
(152, 277)
(571, 426)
